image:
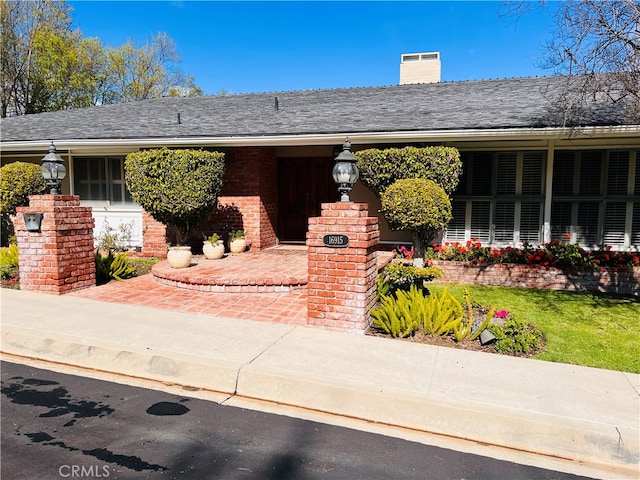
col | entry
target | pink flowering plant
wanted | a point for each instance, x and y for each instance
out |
(556, 253)
(403, 253)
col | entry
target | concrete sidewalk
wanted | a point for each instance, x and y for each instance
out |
(589, 417)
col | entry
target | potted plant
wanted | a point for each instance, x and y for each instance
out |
(213, 247)
(178, 188)
(237, 241)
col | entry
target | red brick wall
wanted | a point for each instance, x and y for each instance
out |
(249, 199)
(60, 257)
(342, 281)
(154, 237)
(613, 280)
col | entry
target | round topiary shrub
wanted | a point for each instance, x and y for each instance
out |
(18, 180)
(419, 206)
(178, 188)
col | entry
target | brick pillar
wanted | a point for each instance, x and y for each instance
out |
(154, 237)
(58, 258)
(249, 196)
(342, 281)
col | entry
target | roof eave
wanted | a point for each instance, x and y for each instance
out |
(332, 138)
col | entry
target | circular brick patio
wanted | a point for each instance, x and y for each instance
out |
(273, 270)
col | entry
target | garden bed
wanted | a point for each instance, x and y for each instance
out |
(448, 341)
(621, 280)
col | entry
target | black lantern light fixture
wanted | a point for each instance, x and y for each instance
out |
(345, 171)
(53, 170)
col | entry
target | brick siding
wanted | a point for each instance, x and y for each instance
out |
(249, 196)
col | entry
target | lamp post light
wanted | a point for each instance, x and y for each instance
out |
(345, 171)
(53, 170)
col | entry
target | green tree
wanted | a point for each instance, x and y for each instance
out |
(149, 71)
(72, 70)
(422, 179)
(419, 206)
(22, 91)
(178, 188)
(46, 65)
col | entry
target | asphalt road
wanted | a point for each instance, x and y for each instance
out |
(58, 426)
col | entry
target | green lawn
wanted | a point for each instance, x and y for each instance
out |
(581, 328)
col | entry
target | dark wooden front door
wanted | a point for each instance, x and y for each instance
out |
(303, 185)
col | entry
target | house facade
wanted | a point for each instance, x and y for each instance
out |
(526, 177)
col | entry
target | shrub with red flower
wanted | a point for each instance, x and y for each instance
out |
(553, 254)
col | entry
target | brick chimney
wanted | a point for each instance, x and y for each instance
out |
(420, 68)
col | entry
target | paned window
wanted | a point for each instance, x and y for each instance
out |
(457, 226)
(595, 198)
(500, 198)
(100, 180)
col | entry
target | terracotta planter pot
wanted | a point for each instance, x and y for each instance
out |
(179, 257)
(238, 245)
(213, 251)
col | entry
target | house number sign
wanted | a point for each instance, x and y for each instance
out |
(335, 241)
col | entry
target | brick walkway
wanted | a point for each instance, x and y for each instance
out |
(275, 266)
(289, 307)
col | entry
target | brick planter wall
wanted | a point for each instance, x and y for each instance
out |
(58, 258)
(342, 281)
(608, 279)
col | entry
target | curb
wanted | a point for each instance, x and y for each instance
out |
(280, 375)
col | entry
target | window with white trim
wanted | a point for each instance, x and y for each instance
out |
(100, 180)
(595, 199)
(500, 198)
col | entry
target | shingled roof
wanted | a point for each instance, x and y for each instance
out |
(485, 104)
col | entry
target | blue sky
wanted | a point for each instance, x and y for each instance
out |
(297, 45)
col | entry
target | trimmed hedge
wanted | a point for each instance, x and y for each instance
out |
(18, 180)
(379, 169)
(179, 188)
